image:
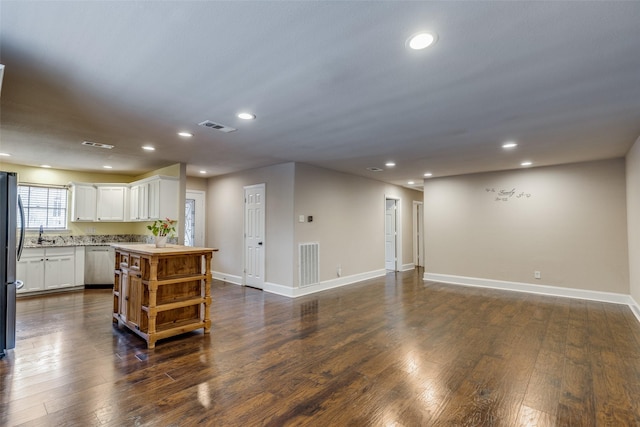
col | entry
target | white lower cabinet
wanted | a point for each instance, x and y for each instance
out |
(43, 269)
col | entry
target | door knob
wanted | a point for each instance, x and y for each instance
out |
(260, 243)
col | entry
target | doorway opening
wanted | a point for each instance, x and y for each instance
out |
(418, 234)
(194, 218)
(391, 234)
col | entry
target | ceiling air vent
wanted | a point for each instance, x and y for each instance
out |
(217, 126)
(374, 169)
(97, 145)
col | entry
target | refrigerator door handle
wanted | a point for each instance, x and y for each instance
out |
(22, 226)
(19, 284)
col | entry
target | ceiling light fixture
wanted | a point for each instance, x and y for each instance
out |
(411, 182)
(45, 166)
(390, 164)
(203, 171)
(246, 116)
(421, 41)
(5, 155)
(527, 163)
(107, 167)
(508, 145)
(148, 148)
(428, 174)
(185, 134)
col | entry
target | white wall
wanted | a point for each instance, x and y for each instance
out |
(569, 223)
(225, 221)
(633, 218)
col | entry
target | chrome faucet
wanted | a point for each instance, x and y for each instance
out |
(40, 238)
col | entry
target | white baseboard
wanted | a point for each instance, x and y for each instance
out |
(610, 297)
(286, 291)
(407, 267)
(229, 278)
(635, 308)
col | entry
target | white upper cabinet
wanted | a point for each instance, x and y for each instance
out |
(83, 202)
(111, 202)
(154, 198)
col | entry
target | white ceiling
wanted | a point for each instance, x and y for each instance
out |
(331, 83)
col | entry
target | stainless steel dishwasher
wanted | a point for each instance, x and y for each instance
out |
(99, 266)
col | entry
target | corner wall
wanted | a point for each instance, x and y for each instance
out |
(633, 218)
(568, 222)
(348, 221)
(225, 222)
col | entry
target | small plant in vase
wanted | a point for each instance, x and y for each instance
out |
(162, 228)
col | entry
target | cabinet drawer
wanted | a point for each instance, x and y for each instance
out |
(134, 262)
(62, 251)
(124, 259)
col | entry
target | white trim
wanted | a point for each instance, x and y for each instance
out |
(635, 308)
(407, 267)
(287, 291)
(534, 289)
(229, 278)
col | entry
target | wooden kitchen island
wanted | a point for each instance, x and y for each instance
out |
(162, 292)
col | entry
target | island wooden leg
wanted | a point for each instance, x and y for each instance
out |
(153, 301)
(207, 293)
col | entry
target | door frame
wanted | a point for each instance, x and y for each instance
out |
(418, 234)
(398, 203)
(199, 223)
(244, 236)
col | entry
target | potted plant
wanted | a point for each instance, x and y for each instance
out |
(161, 228)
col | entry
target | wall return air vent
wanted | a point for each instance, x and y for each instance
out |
(217, 126)
(97, 145)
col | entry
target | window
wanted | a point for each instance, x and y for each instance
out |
(44, 206)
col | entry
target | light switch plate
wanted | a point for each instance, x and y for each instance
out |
(301, 218)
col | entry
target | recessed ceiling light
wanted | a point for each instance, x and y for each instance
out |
(527, 163)
(5, 155)
(45, 166)
(246, 116)
(148, 148)
(509, 144)
(203, 171)
(107, 167)
(185, 134)
(421, 40)
(390, 164)
(411, 182)
(428, 174)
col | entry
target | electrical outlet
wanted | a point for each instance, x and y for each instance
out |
(536, 274)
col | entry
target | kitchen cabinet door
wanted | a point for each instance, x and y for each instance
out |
(163, 198)
(83, 202)
(139, 202)
(30, 269)
(59, 272)
(111, 203)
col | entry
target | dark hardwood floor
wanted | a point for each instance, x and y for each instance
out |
(391, 351)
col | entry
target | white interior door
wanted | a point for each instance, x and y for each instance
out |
(254, 243)
(194, 216)
(390, 234)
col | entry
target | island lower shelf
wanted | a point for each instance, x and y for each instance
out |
(162, 292)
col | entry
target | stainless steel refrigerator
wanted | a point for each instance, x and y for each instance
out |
(11, 243)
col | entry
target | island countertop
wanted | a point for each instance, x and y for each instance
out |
(151, 249)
